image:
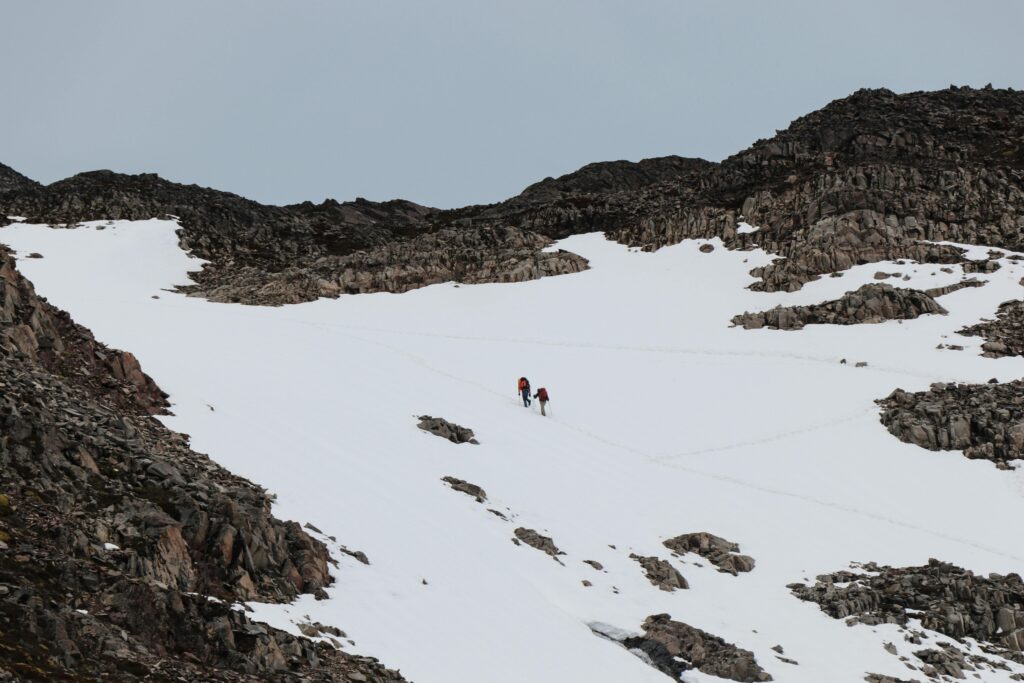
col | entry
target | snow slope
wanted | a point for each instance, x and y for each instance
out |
(665, 421)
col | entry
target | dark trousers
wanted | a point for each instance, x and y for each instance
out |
(526, 398)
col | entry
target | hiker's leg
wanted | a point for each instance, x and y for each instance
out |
(542, 404)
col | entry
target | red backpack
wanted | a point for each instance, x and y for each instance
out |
(542, 394)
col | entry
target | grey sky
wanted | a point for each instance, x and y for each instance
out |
(451, 102)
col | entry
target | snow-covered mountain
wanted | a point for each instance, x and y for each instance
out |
(688, 466)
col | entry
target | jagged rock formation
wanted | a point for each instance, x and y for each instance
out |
(715, 549)
(862, 180)
(272, 255)
(467, 488)
(11, 182)
(473, 256)
(119, 545)
(47, 337)
(871, 177)
(447, 430)
(674, 648)
(944, 597)
(543, 543)
(872, 303)
(986, 421)
(1003, 336)
(660, 572)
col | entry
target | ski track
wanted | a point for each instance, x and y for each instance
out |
(663, 459)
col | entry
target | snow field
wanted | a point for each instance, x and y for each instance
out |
(665, 421)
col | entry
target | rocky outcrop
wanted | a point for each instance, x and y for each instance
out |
(13, 182)
(715, 549)
(936, 292)
(543, 543)
(986, 421)
(273, 255)
(470, 256)
(467, 488)
(872, 303)
(879, 678)
(121, 549)
(447, 430)
(674, 648)
(944, 597)
(1003, 336)
(660, 572)
(32, 329)
(865, 179)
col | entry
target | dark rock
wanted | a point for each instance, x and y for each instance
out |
(447, 430)
(1005, 335)
(540, 542)
(674, 648)
(661, 573)
(718, 551)
(872, 303)
(467, 488)
(944, 597)
(984, 420)
(936, 292)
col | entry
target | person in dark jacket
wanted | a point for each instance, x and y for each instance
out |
(524, 391)
(542, 396)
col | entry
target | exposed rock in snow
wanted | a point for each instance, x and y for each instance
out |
(674, 648)
(936, 292)
(661, 573)
(986, 421)
(536, 540)
(873, 303)
(944, 597)
(467, 488)
(447, 430)
(1003, 336)
(879, 678)
(718, 551)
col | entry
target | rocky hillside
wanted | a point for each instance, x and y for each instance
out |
(864, 179)
(121, 549)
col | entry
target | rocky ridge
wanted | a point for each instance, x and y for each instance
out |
(874, 176)
(985, 421)
(121, 549)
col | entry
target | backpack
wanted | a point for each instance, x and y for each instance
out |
(524, 384)
(542, 394)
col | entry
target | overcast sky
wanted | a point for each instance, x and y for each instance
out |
(452, 102)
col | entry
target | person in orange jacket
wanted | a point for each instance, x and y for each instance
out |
(524, 391)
